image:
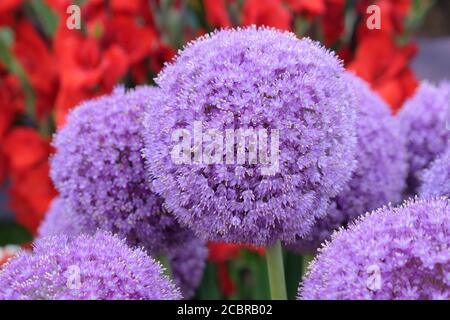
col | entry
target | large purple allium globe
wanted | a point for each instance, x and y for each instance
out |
(424, 120)
(400, 253)
(100, 173)
(436, 179)
(380, 176)
(187, 260)
(99, 267)
(266, 82)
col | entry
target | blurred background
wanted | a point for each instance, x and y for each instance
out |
(53, 55)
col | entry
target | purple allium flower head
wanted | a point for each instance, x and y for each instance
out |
(400, 253)
(60, 221)
(424, 120)
(187, 263)
(436, 179)
(100, 173)
(262, 80)
(99, 267)
(380, 176)
(187, 259)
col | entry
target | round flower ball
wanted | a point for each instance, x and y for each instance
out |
(380, 176)
(60, 221)
(100, 173)
(436, 179)
(252, 133)
(187, 260)
(98, 267)
(400, 253)
(187, 264)
(424, 119)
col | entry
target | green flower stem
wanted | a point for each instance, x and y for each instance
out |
(274, 256)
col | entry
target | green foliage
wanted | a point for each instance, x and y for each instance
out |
(13, 233)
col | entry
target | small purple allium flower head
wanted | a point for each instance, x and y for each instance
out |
(229, 89)
(59, 220)
(436, 179)
(380, 176)
(400, 253)
(425, 121)
(187, 259)
(187, 263)
(100, 173)
(99, 267)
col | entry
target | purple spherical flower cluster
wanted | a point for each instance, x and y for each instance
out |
(273, 85)
(423, 119)
(380, 176)
(187, 259)
(436, 179)
(59, 220)
(100, 173)
(99, 267)
(187, 263)
(397, 253)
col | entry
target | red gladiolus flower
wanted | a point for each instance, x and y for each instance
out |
(221, 252)
(9, 5)
(24, 149)
(216, 13)
(11, 100)
(393, 14)
(310, 8)
(137, 41)
(226, 284)
(332, 21)
(31, 189)
(385, 66)
(35, 57)
(2, 167)
(163, 53)
(271, 13)
(30, 196)
(397, 90)
(85, 70)
(129, 6)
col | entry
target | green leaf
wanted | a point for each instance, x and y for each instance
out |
(258, 267)
(6, 37)
(208, 289)
(13, 66)
(293, 265)
(47, 18)
(13, 233)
